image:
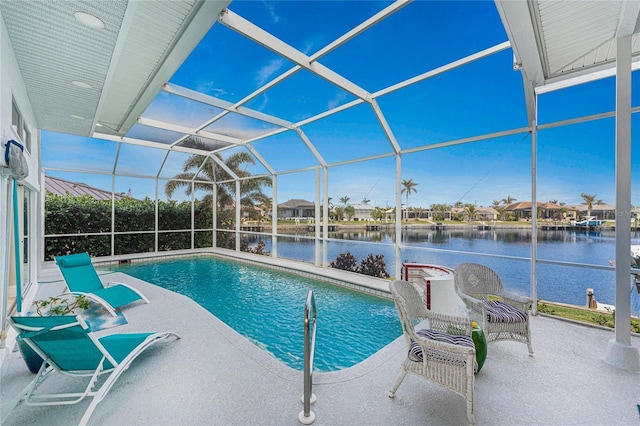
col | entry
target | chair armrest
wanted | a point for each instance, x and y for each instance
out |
(472, 303)
(446, 323)
(522, 302)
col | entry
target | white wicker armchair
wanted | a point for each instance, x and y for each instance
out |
(481, 289)
(448, 364)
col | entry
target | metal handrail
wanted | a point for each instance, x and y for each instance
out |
(307, 416)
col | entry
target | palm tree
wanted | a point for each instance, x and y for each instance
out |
(496, 203)
(250, 189)
(409, 187)
(440, 211)
(365, 200)
(471, 211)
(344, 200)
(267, 205)
(588, 200)
(508, 200)
(559, 214)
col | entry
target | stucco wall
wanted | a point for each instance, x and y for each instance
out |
(12, 88)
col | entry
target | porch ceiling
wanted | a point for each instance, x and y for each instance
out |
(558, 43)
(118, 66)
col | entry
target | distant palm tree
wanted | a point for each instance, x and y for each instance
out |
(559, 214)
(409, 187)
(344, 200)
(471, 211)
(496, 203)
(588, 200)
(440, 210)
(365, 200)
(508, 200)
(267, 205)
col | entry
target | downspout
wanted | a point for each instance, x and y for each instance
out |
(5, 206)
(16, 243)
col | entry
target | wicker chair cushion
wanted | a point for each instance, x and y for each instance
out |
(498, 311)
(415, 352)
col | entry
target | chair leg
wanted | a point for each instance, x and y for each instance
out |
(470, 413)
(28, 391)
(399, 380)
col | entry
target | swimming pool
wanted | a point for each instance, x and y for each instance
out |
(267, 307)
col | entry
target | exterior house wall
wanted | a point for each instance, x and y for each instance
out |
(12, 89)
(296, 209)
(363, 212)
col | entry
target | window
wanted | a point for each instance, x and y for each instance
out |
(20, 127)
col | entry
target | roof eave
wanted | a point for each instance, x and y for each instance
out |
(201, 18)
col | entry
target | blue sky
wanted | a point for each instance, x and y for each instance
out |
(480, 98)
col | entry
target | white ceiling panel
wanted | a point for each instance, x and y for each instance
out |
(119, 61)
(558, 39)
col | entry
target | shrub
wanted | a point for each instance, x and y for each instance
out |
(258, 249)
(79, 215)
(346, 262)
(374, 266)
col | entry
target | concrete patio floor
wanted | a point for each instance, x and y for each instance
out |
(213, 376)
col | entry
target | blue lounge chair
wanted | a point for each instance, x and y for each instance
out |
(68, 347)
(82, 278)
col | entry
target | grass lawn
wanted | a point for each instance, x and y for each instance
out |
(585, 315)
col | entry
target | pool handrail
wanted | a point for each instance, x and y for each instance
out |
(307, 416)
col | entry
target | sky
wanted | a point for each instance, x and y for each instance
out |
(483, 97)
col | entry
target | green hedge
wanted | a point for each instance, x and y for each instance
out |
(80, 215)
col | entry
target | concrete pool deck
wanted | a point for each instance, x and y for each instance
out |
(213, 376)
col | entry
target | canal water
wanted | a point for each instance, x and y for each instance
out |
(507, 251)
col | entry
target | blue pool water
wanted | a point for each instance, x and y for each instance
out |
(267, 307)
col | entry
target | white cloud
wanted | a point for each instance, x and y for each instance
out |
(272, 11)
(337, 100)
(210, 88)
(263, 104)
(308, 46)
(265, 73)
